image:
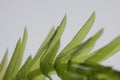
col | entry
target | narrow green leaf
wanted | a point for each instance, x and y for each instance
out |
(16, 59)
(86, 48)
(79, 53)
(48, 57)
(3, 65)
(47, 64)
(23, 72)
(10, 68)
(36, 60)
(21, 52)
(35, 72)
(105, 52)
(42, 50)
(58, 33)
(79, 37)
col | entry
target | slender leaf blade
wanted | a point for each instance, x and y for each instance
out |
(79, 53)
(35, 65)
(21, 52)
(105, 52)
(42, 50)
(16, 59)
(3, 65)
(48, 57)
(86, 48)
(23, 72)
(10, 68)
(79, 37)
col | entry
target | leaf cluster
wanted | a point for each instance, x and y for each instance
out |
(76, 61)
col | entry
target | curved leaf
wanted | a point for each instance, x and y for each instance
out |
(104, 52)
(79, 37)
(3, 65)
(16, 59)
(48, 58)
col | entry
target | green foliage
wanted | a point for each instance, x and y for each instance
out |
(74, 62)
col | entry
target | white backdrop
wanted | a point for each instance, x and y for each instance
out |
(41, 15)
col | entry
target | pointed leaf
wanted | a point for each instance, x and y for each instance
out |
(42, 50)
(79, 37)
(23, 72)
(16, 59)
(79, 53)
(105, 52)
(3, 65)
(48, 57)
(10, 68)
(86, 48)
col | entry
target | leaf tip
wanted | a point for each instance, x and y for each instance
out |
(93, 15)
(65, 18)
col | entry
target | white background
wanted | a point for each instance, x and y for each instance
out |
(41, 15)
